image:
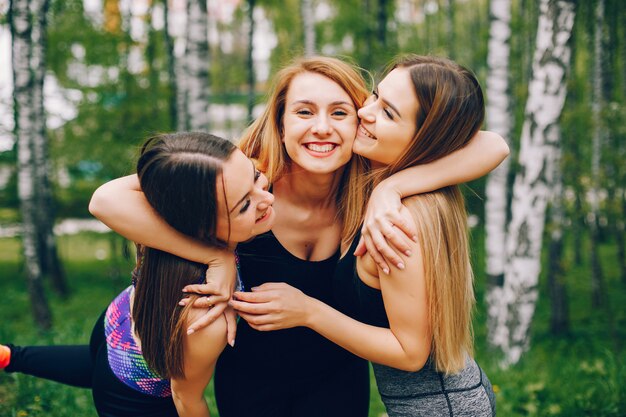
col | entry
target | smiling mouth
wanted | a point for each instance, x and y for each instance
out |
(366, 133)
(264, 215)
(320, 147)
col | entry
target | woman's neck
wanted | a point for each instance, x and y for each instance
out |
(308, 189)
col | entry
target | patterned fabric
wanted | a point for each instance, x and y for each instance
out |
(125, 357)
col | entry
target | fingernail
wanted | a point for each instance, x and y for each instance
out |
(415, 238)
(400, 265)
(407, 253)
(386, 270)
(181, 303)
(254, 288)
(232, 343)
(190, 331)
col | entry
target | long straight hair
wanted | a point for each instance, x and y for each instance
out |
(451, 110)
(263, 138)
(178, 175)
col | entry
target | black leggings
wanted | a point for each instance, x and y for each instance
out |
(342, 393)
(87, 366)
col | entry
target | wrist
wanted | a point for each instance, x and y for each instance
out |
(389, 186)
(312, 312)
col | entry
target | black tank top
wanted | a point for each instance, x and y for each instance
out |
(353, 297)
(297, 353)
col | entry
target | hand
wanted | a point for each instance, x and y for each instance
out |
(387, 222)
(220, 280)
(273, 306)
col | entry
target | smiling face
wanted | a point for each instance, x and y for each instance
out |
(319, 124)
(247, 210)
(388, 119)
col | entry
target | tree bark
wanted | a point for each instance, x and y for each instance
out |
(450, 27)
(197, 66)
(307, 15)
(597, 280)
(557, 287)
(251, 77)
(538, 152)
(171, 67)
(499, 120)
(26, 124)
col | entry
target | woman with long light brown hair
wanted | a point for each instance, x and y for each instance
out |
(303, 141)
(413, 324)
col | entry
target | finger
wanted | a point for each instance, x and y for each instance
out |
(373, 251)
(386, 252)
(205, 302)
(207, 318)
(405, 222)
(231, 326)
(250, 308)
(207, 289)
(361, 249)
(254, 297)
(256, 320)
(264, 327)
(266, 286)
(396, 238)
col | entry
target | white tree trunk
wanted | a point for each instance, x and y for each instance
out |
(596, 150)
(499, 120)
(538, 151)
(197, 65)
(26, 126)
(250, 61)
(308, 26)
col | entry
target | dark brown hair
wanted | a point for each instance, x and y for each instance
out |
(178, 175)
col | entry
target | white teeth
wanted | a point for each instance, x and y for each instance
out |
(320, 148)
(366, 133)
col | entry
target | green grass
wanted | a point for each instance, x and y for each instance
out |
(581, 374)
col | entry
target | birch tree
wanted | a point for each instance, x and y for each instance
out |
(193, 77)
(250, 60)
(171, 66)
(499, 120)
(557, 289)
(23, 19)
(307, 14)
(597, 284)
(539, 148)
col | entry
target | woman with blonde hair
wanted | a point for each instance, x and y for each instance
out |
(414, 324)
(303, 142)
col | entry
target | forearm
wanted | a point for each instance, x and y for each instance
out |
(373, 343)
(481, 155)
(191, 407)
(122, 206)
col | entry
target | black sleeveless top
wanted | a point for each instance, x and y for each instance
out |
(353, 297)
(298, 353)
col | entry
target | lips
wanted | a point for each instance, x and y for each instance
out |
(320, 147)
(366, 132)
(264, 216)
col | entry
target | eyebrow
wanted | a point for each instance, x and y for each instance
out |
(248, 193)
(388, 103)
(334, 103)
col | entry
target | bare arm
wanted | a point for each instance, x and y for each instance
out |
(385, 219)
(121, 205)
(405, 345)
(201, 352)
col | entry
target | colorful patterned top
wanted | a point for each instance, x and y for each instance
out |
(125, 357)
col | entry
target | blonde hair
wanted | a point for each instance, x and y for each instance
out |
(262, 140)
(442, 230)
(450, 111)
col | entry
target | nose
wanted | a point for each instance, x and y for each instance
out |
(267, 199)
(321, 126)
(366, 113)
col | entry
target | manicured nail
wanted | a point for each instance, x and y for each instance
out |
(181, 303)
(232, 343)
(407, 253)
(414, 238)
(386, 271)
(400, 265)
(190, 331)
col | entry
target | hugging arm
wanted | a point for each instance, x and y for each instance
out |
(405, 345)
(201, 351)
(386, 219)
(121, 205)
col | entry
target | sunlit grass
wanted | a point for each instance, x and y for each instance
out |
(580, 374)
